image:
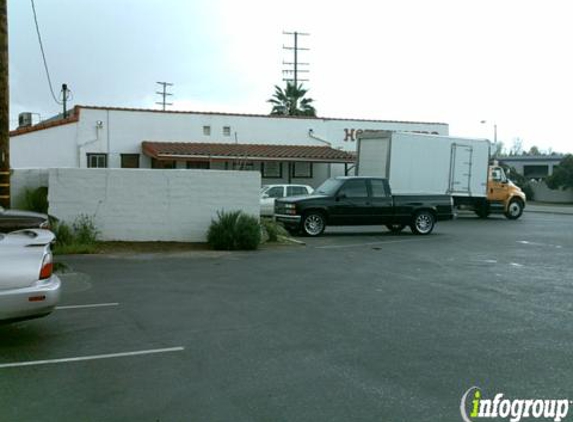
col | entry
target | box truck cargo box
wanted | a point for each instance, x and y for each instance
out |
(434, 164)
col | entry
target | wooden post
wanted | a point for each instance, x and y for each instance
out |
(4, 109)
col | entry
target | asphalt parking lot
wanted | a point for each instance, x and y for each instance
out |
(358, 325)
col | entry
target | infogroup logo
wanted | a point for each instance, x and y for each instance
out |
(479, 407)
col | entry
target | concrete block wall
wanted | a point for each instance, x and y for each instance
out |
(542, 193)
(152, 205)
(22, 179)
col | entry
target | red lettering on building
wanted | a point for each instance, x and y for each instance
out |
(349, 135)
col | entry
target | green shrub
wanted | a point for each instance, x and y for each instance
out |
(234, 230)
(562, 177)
(85, 231)
(36, 200)
(247, 232)
(64, 234)
(528, 191)
(273, 229)
(80, 238)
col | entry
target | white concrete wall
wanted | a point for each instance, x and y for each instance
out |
(22, 179)
(53, 147)
(541, 193)
(151, 205)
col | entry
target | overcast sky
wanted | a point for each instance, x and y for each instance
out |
(459, 62)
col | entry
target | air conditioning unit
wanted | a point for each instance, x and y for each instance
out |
(24, 120)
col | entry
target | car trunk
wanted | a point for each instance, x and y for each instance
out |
(21, 256)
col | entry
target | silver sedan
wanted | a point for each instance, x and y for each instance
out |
(28, 286)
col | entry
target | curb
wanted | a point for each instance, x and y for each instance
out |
(291, 240)
(550, 211)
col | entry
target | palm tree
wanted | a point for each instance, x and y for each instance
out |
(290, 101)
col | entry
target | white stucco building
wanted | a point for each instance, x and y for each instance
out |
(284, 149)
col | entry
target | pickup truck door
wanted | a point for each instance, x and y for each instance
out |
(352, 204)
(382, 202)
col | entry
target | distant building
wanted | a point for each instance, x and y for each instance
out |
(533, 167)
(284, 149)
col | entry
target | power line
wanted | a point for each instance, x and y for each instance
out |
(44, 55)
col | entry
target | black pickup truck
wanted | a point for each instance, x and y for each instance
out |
(343, 201)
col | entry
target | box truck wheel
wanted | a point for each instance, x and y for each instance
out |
(423, 223)
(395, 228)
(514, 209)
(313, 223)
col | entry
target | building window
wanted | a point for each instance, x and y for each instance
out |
(207, 130)
(97, 161)
(226, 130)
(198, 165)
(272, 170)
(129, 161)
(163, 164)
(240, 165)
(302, 170)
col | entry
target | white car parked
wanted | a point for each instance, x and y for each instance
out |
(271, 192)
(28, 287)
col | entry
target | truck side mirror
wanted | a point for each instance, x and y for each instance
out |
(340, 196)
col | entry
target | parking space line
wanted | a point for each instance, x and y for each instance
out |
(381, 242)
(94, 357)
(92, 305)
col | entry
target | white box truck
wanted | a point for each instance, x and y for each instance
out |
(434, 164)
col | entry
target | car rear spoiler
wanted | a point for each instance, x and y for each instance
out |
(32, 237)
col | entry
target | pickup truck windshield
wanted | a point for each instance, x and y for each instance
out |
(329, 187)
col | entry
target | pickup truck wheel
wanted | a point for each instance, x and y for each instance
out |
(395, 228)
(313, 224)
(423, 223)
(514, 209)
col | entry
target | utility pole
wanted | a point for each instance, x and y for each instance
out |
(65, 98)
(4, 109)
(291, 74)
(164, 94)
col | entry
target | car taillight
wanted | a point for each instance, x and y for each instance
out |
(46, 225)
(47, 266)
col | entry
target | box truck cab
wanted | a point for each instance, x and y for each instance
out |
(440, 165)
(502, 195)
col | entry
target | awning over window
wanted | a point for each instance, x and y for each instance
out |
(182, 151)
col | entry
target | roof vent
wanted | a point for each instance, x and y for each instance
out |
(24, 120)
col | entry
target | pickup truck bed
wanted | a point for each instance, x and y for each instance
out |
(362, 201)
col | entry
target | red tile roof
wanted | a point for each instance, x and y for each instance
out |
(253, 152)
(73, 118)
